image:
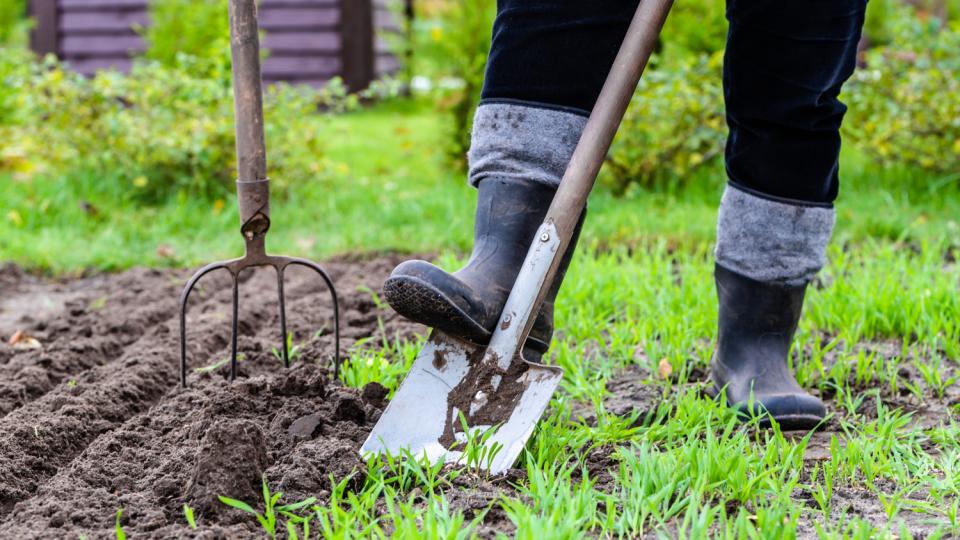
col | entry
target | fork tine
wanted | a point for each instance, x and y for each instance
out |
(336, 308)
(184, 296)
(233, 331)
(283, 317)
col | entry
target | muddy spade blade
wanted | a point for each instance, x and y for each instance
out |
(424, 416)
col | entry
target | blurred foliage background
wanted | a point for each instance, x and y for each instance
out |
(165, 130)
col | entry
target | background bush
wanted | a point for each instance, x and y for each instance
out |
(160, 130)
(196, 28)
(167, 127)
(695, 27)
(675, 123)
(905, 104)
(13, 22)
(451, 44)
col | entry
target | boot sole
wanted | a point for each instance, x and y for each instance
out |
(787, 422)
(792, 422)
(419, 301)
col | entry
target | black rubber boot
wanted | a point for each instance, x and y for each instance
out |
(757, 322)
(468, 303)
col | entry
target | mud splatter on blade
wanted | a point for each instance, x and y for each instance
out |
(422, 414)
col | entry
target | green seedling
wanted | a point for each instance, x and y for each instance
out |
(293, 351)
(823, 483)
(384, 365)
(408, 518)
(373, 296)
(118, 528)
(219, 364)
(98, 303)
(933, 372)
(478, 451)
(405, 472)
(271, 511)
(188, 514)
(351, 515)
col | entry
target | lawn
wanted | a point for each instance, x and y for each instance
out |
(880, 341)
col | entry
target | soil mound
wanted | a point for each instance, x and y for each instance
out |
(93, 420)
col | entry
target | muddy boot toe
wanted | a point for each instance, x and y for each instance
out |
(424, 293)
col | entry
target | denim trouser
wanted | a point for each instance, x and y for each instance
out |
(785, 63)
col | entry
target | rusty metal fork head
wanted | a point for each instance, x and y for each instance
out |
(253, 190)
(253, 200)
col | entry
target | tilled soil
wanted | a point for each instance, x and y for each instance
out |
(94, 420)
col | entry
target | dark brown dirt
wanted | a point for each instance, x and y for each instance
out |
(501, 400)
(93, 420)
(626, 395)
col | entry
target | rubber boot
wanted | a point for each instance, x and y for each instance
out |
(757, 322)
(468, 303)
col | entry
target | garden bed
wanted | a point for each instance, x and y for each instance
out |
(94, 420)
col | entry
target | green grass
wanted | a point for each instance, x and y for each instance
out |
(383, 174)
(384, 185)
(881, 338)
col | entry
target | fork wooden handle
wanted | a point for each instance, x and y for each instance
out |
(253, 190)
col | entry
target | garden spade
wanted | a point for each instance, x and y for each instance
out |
(478, 405)
(253, 190)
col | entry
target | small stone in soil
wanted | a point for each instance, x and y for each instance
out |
(305, 427)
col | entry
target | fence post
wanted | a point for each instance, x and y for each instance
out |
(357, 55)
(409, 19)
(43, 36)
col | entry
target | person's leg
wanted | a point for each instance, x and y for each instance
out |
(548, 62)
(785, 63)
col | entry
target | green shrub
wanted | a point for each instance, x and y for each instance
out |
(158, 131)
(13, 22)
(453, 44)
(876, 27)
(196, 28)
(401, 43)
(15, 64)
(905, 105)
(695, 26)
(675, 123)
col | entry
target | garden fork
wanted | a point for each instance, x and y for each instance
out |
(253, 190)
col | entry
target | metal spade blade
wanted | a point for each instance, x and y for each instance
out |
(424, 416)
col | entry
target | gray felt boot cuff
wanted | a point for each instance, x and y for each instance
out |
(522, 142)
(772, 241)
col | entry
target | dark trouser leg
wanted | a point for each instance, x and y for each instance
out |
(548, 61)
(555, 53)
(785, 63)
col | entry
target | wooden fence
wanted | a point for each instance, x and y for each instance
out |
(309, 41)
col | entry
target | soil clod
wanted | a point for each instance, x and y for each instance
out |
(230, 461)
(350, 409)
